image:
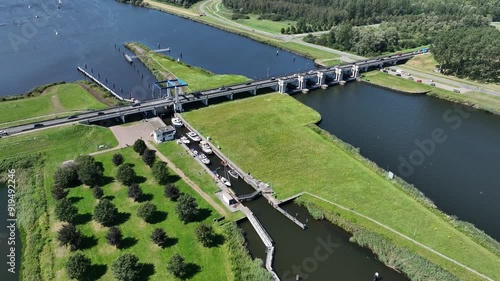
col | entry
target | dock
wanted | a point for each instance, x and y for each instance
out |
(91, 77)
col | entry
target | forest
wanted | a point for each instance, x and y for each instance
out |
(459, 31)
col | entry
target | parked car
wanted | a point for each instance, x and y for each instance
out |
(72, 116)
(411, 78)
(432, 84)
(398, 74)
(456, 91)
(3, 133)
(419, 81)
(38, 125)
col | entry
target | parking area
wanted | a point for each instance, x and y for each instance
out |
(128, 134)
(406, 75)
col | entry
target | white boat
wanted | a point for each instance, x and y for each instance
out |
(185, 140)
(194, 153)
(193, 136)
(233, 174)
(206, 147)
(204, 159)
(224, 181)
(177, 122)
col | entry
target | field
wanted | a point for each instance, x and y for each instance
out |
(396, 83)
(268, 129)
(197, 79)
(56, 101)
(208, 263)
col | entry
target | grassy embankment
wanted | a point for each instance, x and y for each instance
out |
(475, 99)
(164, 67)
(51, 102)
(192, 169)
(36, 156)
(268, 129)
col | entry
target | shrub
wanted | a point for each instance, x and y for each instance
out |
(160, 172)
(177, 266)
(59, 193)
(89, 171)
(187, 208)
(105, 212)
(126, 174)
(114, 236)
(78, 267)
(146, 211)
(172, 192)
(126, 267)
(65, 210)
(139, 146)
(66, 176)
(149, 157)
(69, 235)
(134, 192)
(97, 192)
(159, 237)
(117, 159)
(205, 235)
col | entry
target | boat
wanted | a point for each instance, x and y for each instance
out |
(193, 136)
(177, 122)
(224, 181)
(206, 147)
(185, 140)
(204, 159)
(233, 174)
(194, 153)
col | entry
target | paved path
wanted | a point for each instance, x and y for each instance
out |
(402, 235)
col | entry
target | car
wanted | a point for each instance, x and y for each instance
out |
(229, 88)
(273, 78)
(456, 91)
(38, 125)
(419, 81)
(100, 113)
(411, 78)
(3, 133)
(385, 71)
(398, 74)
(432, 84)
(72, 116)
(399, 53)
(222, 88)
(248, 83)
(430, 80)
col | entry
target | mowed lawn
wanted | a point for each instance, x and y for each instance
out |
(396, 83)
(267, 136)
(209, 263)
(56, 101)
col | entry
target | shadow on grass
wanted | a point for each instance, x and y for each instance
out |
(128, 242)
(170, 241)
(145, 197)
(82, 218)
(74, 200)
(191, 270)
(108, 197)
(105, 180)
(121, 218)
(218, 240)
(203, 214)
(158, 217)
(87, 242)
(139, 179)
(96, 271)
(147, 270)
(173, 178)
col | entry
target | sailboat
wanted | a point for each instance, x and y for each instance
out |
(225, 179)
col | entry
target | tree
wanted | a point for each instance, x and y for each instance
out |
(149, 157)
(283, 30)
(139, 146)
(159, 237)
(59, 193)
(69, 235)
(126, 174)
(65, 210)
(177, 266)
(117, 159)
(187, 208)
(114, 236)
(146, 211)
(66, 176)
(88, 170)
(97, 192)
(160, 172)
(126, 268)
(134, 192)
(78, 267)
(205, 235)
(172, 192)
(105, 212)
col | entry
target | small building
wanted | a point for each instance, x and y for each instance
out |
(162, 134)
(228, 199)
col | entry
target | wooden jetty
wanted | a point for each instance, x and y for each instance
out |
(99, 83)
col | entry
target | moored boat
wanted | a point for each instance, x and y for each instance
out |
(185, 140)
(177, 122)
(224, 181)
(203, 158)
(206, 147)
(233, 173)
(194, 152)
(193, 136)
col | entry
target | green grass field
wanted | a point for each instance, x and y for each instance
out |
(196, 78)
(395, 82)
(56, 101)
(270, 130)
(212, 262)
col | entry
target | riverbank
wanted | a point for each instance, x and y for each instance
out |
(164, 67)
(52, 101)
(273, 128)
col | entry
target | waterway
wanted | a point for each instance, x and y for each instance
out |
(43, 44)
(8, 240)
(457, 169)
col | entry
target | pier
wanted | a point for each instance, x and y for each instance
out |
(155, 51)
(91, 77)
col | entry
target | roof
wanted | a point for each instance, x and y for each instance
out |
(163, 130)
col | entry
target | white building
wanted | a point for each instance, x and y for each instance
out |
(162, 134)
